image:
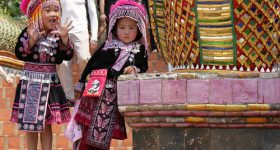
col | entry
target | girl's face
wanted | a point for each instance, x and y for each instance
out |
(50, 17)
(127, 30)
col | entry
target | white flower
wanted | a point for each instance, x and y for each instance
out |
(136, 49)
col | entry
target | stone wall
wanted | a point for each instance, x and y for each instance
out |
(206, 139)
(207, 110)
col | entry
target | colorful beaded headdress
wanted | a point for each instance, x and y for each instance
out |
(32, 8)
(130, 9)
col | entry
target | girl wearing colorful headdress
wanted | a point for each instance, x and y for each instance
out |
(124, 52)
(40, 100)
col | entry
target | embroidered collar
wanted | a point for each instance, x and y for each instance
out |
(117, 44)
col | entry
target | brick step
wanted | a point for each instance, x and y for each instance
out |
(11, 138)
(18, 142)
(8, 128)
(5, 115)
(156, 63)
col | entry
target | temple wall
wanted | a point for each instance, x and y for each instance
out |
(198, 110)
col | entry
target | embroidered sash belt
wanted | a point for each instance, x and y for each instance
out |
(35, 87)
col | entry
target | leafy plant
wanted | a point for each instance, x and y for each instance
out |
(10, 8)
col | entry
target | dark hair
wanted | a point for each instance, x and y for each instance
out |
(114, 31)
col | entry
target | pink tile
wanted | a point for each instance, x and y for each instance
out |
(268, 90)
(245, 90)
(174, 91)
(150, 91)
(220, 91)
(197, 91)
(128, 92)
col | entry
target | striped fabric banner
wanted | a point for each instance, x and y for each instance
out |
(216, 33)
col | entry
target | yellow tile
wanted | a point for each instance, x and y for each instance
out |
(195, 119)
(236, 107)
(215, 107)
(196, 107)
(258, 107)
(256, 120)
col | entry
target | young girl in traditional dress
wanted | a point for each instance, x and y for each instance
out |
(4, 75)
(124, 52)
(40, 99)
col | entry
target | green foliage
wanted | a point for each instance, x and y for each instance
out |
(10, 8)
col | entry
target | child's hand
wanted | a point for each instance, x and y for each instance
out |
(129, 70)
(102, 17)
(9, 80)
(63, 29)
(33, 33)
(77, 94)
(78, 89)
(92, 45)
